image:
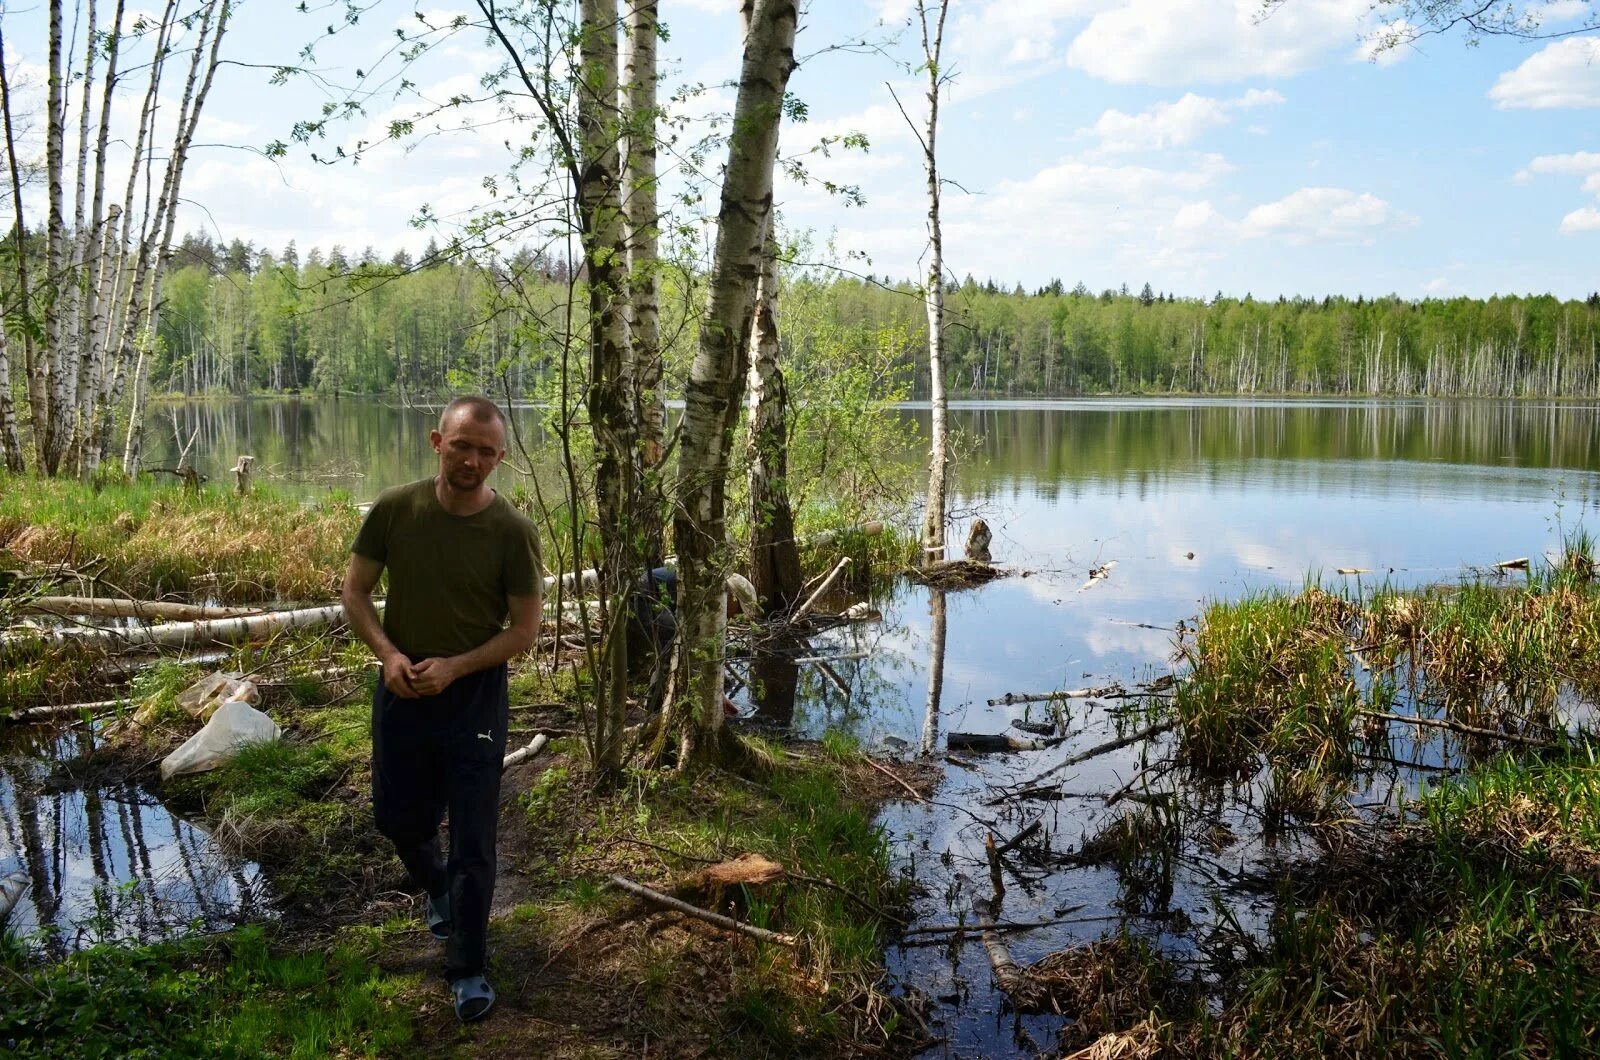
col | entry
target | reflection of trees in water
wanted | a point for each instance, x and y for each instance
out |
(109, 862)
(1088, 442)
(930, 718)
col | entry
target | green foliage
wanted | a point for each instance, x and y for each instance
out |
(232, 997)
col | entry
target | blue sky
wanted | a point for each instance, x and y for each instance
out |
(1187, 144)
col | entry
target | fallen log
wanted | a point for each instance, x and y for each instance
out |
(716, 919)
(1098, 575)
(822, 590)
(1520, 563)
(185, 634)
(12, 887)
(1018, 839)
(516, 758)
(828, 537)
(107, 607)
(991, 743)
(65, 710)
(1456, 726)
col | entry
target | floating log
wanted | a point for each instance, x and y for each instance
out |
(1520, 563)
(989, 743)
(106, 607)
(186, 634)
(516, 758)
(1456, 726)
(12, 887)
(822, 590)
(1011, 698)
(1354, 570)
(1037, 728)
(716, 919)
(1098, 575)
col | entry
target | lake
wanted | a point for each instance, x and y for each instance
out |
(1193, 500)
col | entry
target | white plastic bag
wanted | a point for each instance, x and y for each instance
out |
(202, 698)
(230, 728)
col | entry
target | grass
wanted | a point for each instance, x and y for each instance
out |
(235, 995)
(153, 540)
(802, 814)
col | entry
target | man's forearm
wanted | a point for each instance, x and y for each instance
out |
(509, 642)
(362, 615)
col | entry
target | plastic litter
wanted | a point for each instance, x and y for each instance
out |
(234, 725)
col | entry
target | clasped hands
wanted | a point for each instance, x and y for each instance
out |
(410, 680)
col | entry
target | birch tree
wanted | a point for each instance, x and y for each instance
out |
(611, 392)
(937, 504)
(774, 557)
(643, 239)
(716, 382)
(98, 297)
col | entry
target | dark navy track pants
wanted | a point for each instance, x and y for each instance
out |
(440, 754)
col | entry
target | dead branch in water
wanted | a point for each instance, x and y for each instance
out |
(1456, 726)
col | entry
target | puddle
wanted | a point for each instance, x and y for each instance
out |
(108, 861)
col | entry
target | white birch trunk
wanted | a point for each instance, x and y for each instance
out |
(167, 210)
(610, 398)
(33, 377)
(77, 307)
(10, 440)
(643, 237)
(55, 248)
(933, 525)
(717, 375)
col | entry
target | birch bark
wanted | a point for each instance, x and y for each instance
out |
(55, 249)
(610, 398)
(643, 222)
(717, 375)
(774, 558)
(933, 524)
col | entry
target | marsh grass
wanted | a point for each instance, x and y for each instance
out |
(1287, 682)
(155, 540)
(1468, 932)
(233, 995)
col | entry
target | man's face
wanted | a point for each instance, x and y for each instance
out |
(468, 449)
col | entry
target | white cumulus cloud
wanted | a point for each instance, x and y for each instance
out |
(1583, 219)
(1325, 215)
(1563, 74)
(1174, 124)
(1167, 42)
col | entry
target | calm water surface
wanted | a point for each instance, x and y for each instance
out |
(1194, 500)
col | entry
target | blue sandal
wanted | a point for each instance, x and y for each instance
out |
(474, 998)
(439, 916)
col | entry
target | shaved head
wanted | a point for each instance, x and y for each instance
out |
(479, 408)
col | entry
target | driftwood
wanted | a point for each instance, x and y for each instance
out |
(516, 758)
(1011, 698)
(186, 634)
(105, 607)
(822, 590)
(1520, 563)
(65, 710)
(1098, 575)
(716, 919)
(1353, 570)
(12, 887)
(1018, 839)
(1456, 726)
(984, 742)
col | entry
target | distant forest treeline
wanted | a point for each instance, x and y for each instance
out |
(239, 319)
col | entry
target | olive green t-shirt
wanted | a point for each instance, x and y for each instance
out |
(449, 575)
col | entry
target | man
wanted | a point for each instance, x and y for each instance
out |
(461, 561)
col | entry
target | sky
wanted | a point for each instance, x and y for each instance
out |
(1196, 146)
